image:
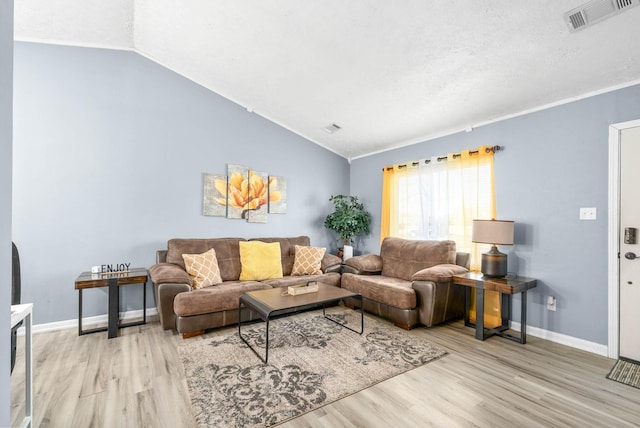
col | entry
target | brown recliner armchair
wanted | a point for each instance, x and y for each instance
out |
(410, 281)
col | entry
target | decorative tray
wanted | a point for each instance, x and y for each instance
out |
(295, 290)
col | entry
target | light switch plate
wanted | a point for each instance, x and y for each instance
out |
(587, 213)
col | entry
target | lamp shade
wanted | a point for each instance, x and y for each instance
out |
(496, 232)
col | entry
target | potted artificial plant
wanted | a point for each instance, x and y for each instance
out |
(348, 220)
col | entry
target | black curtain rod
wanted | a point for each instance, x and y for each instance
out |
(442, 158)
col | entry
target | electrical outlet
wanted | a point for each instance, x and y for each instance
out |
(551, 303)
(587, 213)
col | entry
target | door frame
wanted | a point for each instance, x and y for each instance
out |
(613, 233)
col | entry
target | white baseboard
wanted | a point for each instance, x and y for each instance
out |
(100, 319)
(563, 339)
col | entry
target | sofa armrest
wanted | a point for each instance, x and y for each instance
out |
(463, 259)
(168, 281)
(437, 298)
(365, 264)
(168, 272)
(161, 256)
(165, 294)
(439, 273)
(438, 302)
(331, 263)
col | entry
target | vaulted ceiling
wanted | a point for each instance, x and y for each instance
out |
(389, 73)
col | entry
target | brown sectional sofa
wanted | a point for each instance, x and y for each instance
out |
(410, 281)
(191, 311)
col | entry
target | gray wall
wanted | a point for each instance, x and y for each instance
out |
(554, 162)
(110, 149)
(6, 90)
(109, 154)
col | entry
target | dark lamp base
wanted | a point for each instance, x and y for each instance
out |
(494, 263)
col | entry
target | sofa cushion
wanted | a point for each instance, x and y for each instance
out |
(388, 290)
(308, 260)
(365, 264)
(440, 273)
(203, 268)
(287, 250)
(227, 253)
(331, 261)
(401, 258)
(223, 297)
(260, 260)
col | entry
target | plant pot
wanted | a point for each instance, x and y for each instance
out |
(347, 252)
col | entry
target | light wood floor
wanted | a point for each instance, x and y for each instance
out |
(136, 380)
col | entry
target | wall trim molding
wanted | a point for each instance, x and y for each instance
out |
(410, 142)
(563, 339)
(250, 109)
(72, 44)
(100, 319)
(534, 109)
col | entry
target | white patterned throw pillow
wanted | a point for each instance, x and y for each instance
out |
(308, 260)
(203, 269)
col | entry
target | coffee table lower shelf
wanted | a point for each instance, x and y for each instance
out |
(270, 303)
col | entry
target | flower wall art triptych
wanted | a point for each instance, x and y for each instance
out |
(244, 194)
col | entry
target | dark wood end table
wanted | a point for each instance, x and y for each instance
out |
(271, 302)
(88, 280)
(507, 287)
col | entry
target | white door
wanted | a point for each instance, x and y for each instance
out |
(629, 251)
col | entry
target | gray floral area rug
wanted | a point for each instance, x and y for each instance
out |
(312, 362)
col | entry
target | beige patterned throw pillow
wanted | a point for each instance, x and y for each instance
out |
(203, 269)
(308, 260)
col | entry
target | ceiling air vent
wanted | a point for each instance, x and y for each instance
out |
(596, 11)
(331, 128)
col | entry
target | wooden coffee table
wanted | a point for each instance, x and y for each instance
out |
(269, 303)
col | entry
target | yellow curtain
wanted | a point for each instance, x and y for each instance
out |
(471, 172)
(396, 199)
(385, 215)
(475, 170)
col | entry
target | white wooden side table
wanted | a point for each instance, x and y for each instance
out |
(20, 313)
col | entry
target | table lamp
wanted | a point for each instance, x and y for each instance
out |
(494, 232)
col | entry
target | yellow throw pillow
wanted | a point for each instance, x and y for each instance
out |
(203, 268)
(260, 260)
(308, 260)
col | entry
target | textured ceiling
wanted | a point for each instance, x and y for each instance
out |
(389, 73)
